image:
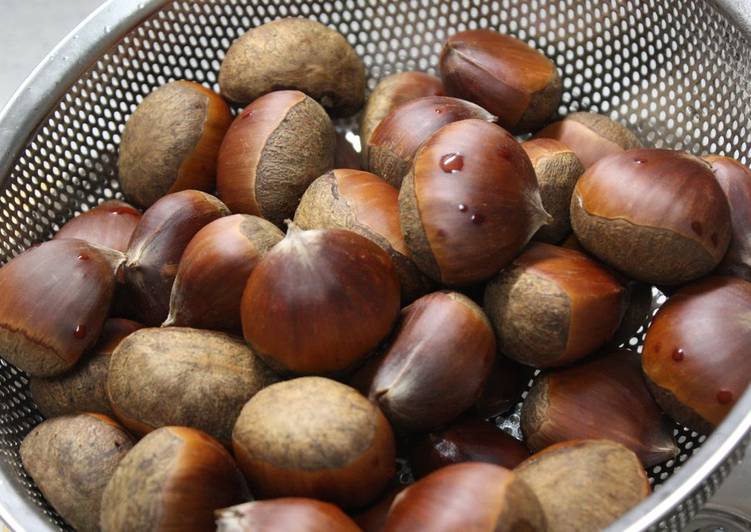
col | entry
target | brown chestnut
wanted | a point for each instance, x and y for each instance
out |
(504, 387)
(314, 437)
(272, 151)
(557, 169)
(390, 93)
(214, 269)
(696, 351)
(603, 398)
(170, 143)
(109, 224)
(173, 479)
(735, 180)
(468, 440)
(290, 513)
(505, 75)
(366, 204)
(658, 216)
(394, 142)
(470, 202)
(443, 339)
(471, 496)
(186, 377)
(345, 155)
(83, 388)
(157, 245)
(55, 298)
(320, 301)
(591, 136)
(70, 459)
(294, 53)
(553, 305)
(585, 485)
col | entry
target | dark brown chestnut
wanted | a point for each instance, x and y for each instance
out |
(553, 306)
(504, 387)
(394, 142)
(373, 518)
(109, 224)
(696, 351)
(658, 216)
(505, 75)
(289, 513)
(469, 203)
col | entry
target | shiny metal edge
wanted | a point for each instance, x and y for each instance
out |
(739, 12)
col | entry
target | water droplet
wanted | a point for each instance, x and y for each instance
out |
(452, 162)
(246, 114)
(697, 228)
(639, 161)
(678, 355)
(83, 256)
(462, 207)
(477, 218)
(441, 233)
(438, 110)
(724, 397)
(80, 331)
(658, 346)
(715, 240)
(504, 152)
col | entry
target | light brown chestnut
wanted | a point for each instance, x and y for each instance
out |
(695, 354)
(366, 204)
(472, 496)
(345, 155)
(585, 485)
(214, 269)
(504, 387)
(658, 216)
(156, 247)
(553, 306)
(353, 455)
(273, 150)
(170, 143)
(109, 224)
(395, 140)
(320, 301)
(55, 298)
(294, 53)
(443, 339)
(602, 398)
(391, 92)
(557, 169)
(469, 203)
(173, 479)
(289, 513)
(83, 388)
(505, 75)
(185, 377)
(735, 180)
(591, 136)
(70, 459)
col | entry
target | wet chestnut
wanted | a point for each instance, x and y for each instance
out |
(289, 513)
(109, 224)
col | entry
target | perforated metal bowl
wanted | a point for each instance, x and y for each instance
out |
(677, 72)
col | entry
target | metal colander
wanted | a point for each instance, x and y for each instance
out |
(677, 72)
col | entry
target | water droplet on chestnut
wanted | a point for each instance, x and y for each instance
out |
(80, 331)
(83, 256)
(462, 207)
(697, 228)
(640, 161)
(477, 218)
(724, 397)
(452, 163)
(678, 355)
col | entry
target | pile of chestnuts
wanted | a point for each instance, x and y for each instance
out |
(251, 341)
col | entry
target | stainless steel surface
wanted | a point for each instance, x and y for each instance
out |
(678, 73)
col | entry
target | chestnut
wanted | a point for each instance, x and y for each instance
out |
(585, 485)
(345, 155)
(602, 398)
(735, 181)
(70, 459)
(468, 440)
(109, 224)
(470, 202)
(272, 151)
(504, 387)
(157, 244)
(173, 479)
(170, 143)
(553, 306)
(294, 53)
(366, 204)
(658, 216)
(290, 513)
(55, 298)
(470, 496)
(695, 353)
(83, 388)
(214, 269)
(319, 301)
(443, 339)
(391, 92)
(591, 136)
(637, 312)
(395, 140)
(557, 169)
(186, 377)
(314, 437)
(373, 518)
(505, 75)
